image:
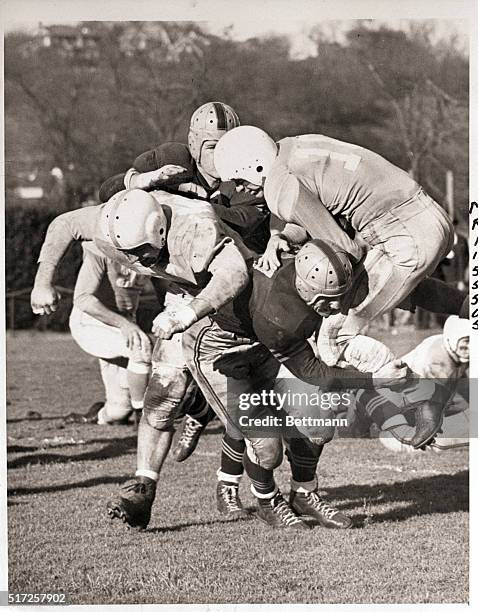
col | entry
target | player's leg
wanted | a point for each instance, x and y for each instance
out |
(170, 385)
(225, 367)
(305, 441)
(407, 245)
(304, 455)
(117, 407)
(198, 415)
(106, 343)
(229, 475)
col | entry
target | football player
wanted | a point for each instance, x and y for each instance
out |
(441, 360)
(190, 170)
(311, 179)
(183, 242)
(284, 310)
(102, 322)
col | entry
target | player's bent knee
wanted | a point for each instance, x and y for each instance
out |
(160, 418)
(266, 452)
(166, 391)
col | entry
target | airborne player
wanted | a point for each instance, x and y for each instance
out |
(311, 179)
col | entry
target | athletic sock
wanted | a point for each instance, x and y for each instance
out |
(200, 410)
(376, 407)
(231, 455)
(263, 485)
(303, 456)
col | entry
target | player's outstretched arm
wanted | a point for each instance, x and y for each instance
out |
(166, 165)
(63, 230)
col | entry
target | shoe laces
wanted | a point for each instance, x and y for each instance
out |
(136, 487)
(230, 495)
(189, 431)
(322, 506)
(281, 507)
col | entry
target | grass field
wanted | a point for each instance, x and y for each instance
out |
(410, 543)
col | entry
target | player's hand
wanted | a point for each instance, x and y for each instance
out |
(136, 338)
(156, 178)
(270, 261)
(168, 323)
(391, 374)
(44, 299)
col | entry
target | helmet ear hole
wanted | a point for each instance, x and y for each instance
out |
(323, 270)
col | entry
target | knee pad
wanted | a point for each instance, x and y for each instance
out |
(167, 388)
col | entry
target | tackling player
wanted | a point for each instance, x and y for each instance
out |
(442, 359)
(183, 242)
(177, 168)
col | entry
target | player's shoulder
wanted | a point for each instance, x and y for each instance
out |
(281, 189)
(91, 253)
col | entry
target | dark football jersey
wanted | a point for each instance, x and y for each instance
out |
(244, 212)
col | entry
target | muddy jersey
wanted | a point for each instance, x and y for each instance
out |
(204, 257)
(348, 180)
(241, 210)
(114, 285)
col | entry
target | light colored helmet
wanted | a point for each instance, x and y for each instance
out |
(322, 270)
(454, 330)
(210, 122)
(247, 153)
(132, 218)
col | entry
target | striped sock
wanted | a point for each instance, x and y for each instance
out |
(231, 455)
(376, 407)
(263, 484)
(303, 457)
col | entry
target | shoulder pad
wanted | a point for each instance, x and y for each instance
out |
(281, 190)
(193, 240)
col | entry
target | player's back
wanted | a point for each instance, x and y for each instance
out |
(350, 180)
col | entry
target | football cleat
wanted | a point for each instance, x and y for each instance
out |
(189, 435)
(228, 500)
(428, 421)
(277, 513)
(90, 416)
(311, 505)
(133, 506)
